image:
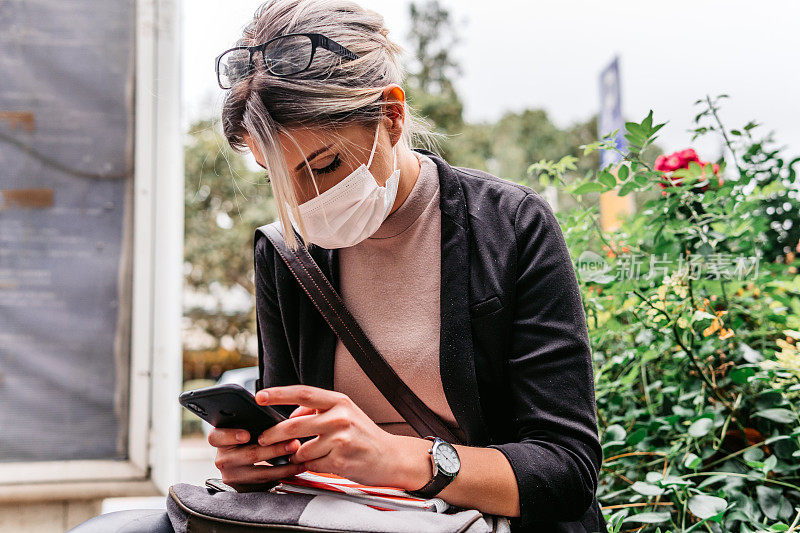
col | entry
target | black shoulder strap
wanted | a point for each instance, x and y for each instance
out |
(330, 305)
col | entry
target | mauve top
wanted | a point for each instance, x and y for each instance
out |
(390, 282)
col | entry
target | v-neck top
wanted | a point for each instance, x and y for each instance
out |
(391, 283)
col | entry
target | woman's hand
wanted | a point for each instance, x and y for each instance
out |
(236, 460)
(348, 442)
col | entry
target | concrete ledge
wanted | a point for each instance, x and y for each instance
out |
(76, 490)
(46, 517)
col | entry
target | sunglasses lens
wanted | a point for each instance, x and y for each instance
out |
(288, 55)
(233, 66)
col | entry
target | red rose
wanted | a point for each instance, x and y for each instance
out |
(668, 163)
(681, 159)
(675, 162)
(687, 156)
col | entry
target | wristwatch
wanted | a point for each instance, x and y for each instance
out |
(446, 465)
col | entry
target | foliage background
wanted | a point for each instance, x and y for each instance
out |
(697, 369)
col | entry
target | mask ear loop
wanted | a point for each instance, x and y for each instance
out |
(371, 154)
(394, 161)
(374, 144)
(324, 214)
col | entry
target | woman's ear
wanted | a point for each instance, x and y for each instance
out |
(395, 110)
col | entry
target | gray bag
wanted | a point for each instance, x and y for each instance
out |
(222, 510)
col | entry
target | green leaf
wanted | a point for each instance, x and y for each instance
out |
(769, 464)
(653, 477)
(704, 506)
(647, 489)
(753, 454)
(784, 416)
(585, 188)
(757, 465)
(701, 427)
(692, 461)
(623, 172)
(591, 147)
(741, 375)
(670, 481)
(627, 188)
(750, 355)
(615, 432)
(567, 163)
(607, 179)
(649, 518)
(634, 128)
(769, 500)
(701, 315)
(634, 140)
(637, 436)
(647, 123)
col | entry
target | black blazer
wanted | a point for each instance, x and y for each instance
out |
(515, 360)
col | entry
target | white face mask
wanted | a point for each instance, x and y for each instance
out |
(351, 210)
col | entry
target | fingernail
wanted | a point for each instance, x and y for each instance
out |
(262, 396)
(288, 447)
(241, 436)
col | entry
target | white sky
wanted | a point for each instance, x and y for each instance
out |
(518, 54)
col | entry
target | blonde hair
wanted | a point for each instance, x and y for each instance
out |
(333, 93)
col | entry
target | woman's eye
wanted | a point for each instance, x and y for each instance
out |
(330, 168)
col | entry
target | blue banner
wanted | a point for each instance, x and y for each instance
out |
(610, 116)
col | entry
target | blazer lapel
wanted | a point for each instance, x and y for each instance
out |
(456, 355)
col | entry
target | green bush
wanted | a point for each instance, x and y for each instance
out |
(693, 307)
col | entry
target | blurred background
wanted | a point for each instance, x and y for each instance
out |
(126, 223)
(511, 83)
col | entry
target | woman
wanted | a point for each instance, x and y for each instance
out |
(462, 280)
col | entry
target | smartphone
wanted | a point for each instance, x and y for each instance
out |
(232, 406)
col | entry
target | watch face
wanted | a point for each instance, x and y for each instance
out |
(447, 458)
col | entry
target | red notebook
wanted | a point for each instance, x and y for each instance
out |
(381, 498)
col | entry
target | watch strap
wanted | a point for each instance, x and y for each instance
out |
(432, 487)
(437, 482)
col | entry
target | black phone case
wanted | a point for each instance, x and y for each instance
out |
(232, 406)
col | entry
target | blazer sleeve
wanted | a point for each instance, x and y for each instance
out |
(557, 456)
(273, 347)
